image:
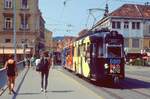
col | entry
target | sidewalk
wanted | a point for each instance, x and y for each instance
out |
(60, 86)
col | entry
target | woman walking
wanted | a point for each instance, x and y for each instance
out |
(11, 68)
(46, 63)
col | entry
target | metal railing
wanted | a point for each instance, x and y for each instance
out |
(3, 75)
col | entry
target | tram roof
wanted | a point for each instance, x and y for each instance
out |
(96, 35)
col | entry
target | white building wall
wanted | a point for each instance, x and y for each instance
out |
(129, 33)
(136, 32)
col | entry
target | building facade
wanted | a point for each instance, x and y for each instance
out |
(59, 43)
(48, 40)
(28, 27)
(133, 21)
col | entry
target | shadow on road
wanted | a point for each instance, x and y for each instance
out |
(61, 91)
(15, 95)
(131, 83)
(28, 93)
(127, 83)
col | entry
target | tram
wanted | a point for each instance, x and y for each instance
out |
(99, 55)
(67, 57)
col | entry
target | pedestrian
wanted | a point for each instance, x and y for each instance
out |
(11, 68)
(46, 63)
(28, 62)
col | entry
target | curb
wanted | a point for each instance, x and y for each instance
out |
(2, 90)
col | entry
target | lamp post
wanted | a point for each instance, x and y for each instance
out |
(3, 55)
(14, 29)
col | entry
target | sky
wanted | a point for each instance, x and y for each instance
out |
(69, 18)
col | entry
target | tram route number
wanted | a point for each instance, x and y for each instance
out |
(114, 68)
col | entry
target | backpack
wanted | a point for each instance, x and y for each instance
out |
(44, 64)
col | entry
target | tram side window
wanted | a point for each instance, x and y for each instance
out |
(79, 50)
(100, 51)
(94, 50)
(88, 51)
(84, 49)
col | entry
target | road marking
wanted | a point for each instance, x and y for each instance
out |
(2, 90)
(83, 87)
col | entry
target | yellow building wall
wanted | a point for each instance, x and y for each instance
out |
(146, 43)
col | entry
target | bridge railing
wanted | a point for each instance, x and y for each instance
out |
(3, 75)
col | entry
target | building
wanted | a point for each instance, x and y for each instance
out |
(60, 42)
(48, 40)
(29, 27)
(133, 21)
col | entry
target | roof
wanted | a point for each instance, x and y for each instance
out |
(132, 11)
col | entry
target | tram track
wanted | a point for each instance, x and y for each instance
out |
(126, 85)
(90, 85)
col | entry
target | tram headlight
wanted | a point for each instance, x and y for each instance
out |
(106, 66)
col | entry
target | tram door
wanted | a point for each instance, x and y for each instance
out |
(93, 58)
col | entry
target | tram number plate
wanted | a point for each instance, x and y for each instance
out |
(114, 68)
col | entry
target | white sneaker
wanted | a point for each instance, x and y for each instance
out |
(42, 90)
(45, 90)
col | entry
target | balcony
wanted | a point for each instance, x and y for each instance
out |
(8, 29)
(24, 27)
(24, 7)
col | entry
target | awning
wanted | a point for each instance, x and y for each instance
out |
(11, 51)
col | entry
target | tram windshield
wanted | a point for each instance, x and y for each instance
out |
(114, 52)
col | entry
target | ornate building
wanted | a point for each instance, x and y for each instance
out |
(30, 28)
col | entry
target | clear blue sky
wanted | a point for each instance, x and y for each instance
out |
(59, 17)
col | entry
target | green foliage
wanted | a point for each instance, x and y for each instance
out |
(1, 65)
(139, 62)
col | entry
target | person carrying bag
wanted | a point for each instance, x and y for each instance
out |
(43, 67)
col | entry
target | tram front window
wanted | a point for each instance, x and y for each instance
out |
(114, 52)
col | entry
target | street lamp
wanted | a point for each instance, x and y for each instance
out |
(33, 47)
(14, 29)
(3, 55)
(24, 46)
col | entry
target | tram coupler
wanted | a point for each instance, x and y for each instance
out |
(115, 79)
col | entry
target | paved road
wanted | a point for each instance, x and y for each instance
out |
(60, 86)
(66, 85)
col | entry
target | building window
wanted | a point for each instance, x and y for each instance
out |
(24, 22)
(8, 23)
(116, 24)
(136, 25)
(24, 4)
(135, 43)
(8, 3)
(126, 42)
(7, 40)
(126, 25)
